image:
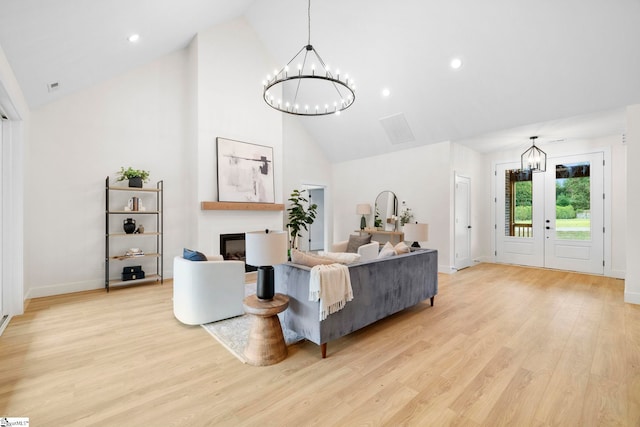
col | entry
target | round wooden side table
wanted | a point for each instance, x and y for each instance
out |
(266, 344)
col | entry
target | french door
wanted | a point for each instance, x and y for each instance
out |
(552, 219)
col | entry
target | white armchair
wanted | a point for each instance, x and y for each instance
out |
(367, 251)
(206, 291)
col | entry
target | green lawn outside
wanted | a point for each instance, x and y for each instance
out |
(575, 222)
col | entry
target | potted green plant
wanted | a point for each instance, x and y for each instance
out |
(135, 176)
(299, 217)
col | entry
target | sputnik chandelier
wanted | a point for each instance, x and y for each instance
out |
(310, 88)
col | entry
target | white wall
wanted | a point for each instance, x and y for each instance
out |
(632, 280)
(419, 176)
(136, 119)
(470, 163)
(615, 183)
(231, 61)
(306, 164)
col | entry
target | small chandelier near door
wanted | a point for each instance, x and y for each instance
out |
(534, 159)
(310, 88)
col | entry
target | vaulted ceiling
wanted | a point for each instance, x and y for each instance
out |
(558, 69)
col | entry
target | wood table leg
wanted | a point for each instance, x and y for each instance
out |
(323, 349)
(432, 298)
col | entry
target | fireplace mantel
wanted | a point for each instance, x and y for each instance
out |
(240, 206)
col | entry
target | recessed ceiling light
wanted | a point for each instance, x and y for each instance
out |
(134, 38)
(386, 92)
(456, 63)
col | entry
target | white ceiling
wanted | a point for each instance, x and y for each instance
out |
(558, 69)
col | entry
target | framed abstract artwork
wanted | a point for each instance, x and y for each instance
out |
(245, 172)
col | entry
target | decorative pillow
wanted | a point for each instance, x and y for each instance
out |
(193, 255)
(355, 241)
(387, 251)
(402, 248)
(310, 260)
(341, 257)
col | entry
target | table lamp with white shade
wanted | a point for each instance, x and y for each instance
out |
(363, 209)
(264, 249)
(416, 233)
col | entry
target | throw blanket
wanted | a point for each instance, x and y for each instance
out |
(331, 284)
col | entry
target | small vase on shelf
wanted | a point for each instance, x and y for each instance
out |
(129, 225)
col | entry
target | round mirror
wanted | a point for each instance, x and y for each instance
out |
(386, 210)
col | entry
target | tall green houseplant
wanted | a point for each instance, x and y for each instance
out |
(299, 217)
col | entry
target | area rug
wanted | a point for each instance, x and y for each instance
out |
(233, 333)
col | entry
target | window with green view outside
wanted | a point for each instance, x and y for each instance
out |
(573, 201)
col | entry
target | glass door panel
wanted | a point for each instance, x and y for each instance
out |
(573, 201)
(518, 203)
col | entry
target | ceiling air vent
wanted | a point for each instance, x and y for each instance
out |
(397, 129)
(52, 87)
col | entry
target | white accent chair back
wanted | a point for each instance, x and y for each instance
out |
(206, 291)
(367, 252)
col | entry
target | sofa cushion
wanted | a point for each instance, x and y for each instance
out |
(355, 241)
(192, 255)
(387, 251)
(341, 257)
(307, 259)
(402, 248)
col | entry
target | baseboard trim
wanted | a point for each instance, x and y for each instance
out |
(64, 288)
(446, 269)
(632, 297)
(4, 322)
(618, 274)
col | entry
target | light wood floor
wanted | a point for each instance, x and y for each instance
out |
(503, 345)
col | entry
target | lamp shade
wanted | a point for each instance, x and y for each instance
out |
(416, 232)
(266, 247)
(363, 209)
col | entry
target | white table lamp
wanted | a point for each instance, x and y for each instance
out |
(264, 249)
(416, 233)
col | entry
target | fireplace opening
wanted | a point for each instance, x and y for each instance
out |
(232, 248)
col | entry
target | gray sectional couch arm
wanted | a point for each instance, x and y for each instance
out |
(380, 288)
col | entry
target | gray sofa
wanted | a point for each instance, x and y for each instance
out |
(380, 288)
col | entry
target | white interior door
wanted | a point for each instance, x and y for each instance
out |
(462, 228)
(552, 219)
(574, 213)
